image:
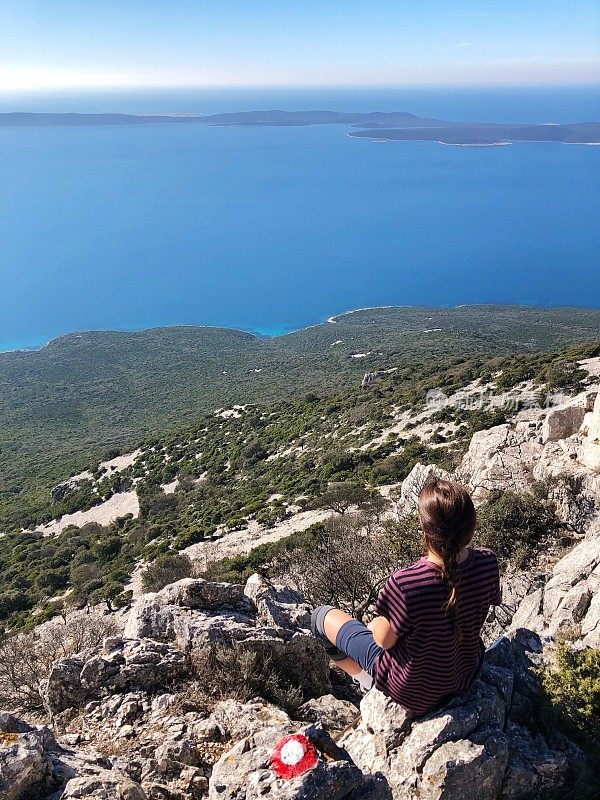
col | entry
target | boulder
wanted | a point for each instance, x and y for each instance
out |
(25, 764)
(244, 773)
(119, 665)
(414, 482)
(277, 606)
(501, 458)
(516, 589)
(576, 566)
(204, 595)
(232, 720)
(262, 617)
(589, 452)
(470, 748)
(529, 612)
(590, 622)
(565, 420)
(467, 770)
(106, 785)
(333, 714)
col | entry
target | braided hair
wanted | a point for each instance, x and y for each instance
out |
(448, 520)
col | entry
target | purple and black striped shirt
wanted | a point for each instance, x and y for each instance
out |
(428, 663)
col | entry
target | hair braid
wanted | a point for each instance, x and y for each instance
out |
(448, 520)
(449, 574)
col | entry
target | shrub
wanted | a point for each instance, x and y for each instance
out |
(573, 690)
(339, 497)
(167, 568)
(516, 526)
(350, 561)
(563, 375)
(27, 658)
(236, 671)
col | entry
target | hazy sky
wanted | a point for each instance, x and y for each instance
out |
(79, 43)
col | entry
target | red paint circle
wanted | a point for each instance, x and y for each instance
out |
(293, 756)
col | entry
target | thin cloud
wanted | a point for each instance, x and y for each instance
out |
(463, 44)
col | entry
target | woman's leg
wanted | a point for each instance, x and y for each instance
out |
(348, 642)
(334, 619)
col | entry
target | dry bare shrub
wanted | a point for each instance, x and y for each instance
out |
(243, 672)
(351, 561)
(26, 658)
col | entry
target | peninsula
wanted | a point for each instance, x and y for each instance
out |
(376, 125)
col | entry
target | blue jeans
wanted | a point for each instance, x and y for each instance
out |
(356, 641)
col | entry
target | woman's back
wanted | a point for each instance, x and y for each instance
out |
(429, 661)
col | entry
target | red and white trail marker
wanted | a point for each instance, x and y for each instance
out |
(293, 756)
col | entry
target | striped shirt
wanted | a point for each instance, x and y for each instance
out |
(428, 664)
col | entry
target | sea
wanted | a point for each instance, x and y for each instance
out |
(273, 229)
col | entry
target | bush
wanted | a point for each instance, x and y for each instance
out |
(340, 496)
(266, 558)
(235, 671)
(350, 561)
(167, 568)
(573, 690)
(27, 658)
(516, 526)
(563, 375)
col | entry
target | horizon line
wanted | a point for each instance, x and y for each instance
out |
(294, 87)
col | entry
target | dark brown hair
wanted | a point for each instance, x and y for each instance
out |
(448, 520)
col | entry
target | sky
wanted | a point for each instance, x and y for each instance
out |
(58, 44)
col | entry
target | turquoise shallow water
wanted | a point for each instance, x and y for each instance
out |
(271, 229)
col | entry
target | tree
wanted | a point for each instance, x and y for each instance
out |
(340, 496)
(108, 593)
(373, 507)
(252, 453)
(516, 525)
(351, 561)
(11, 601)
(563, 375)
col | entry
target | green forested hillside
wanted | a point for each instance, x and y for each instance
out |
(84, 395)
(256, 464)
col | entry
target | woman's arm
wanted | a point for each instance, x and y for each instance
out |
(383, 634)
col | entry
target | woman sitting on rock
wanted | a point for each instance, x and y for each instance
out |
(424, 646)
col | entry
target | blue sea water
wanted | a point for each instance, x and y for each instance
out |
(271, 229)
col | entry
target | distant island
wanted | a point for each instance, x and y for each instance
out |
(376, 125)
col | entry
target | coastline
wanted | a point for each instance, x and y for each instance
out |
(331, 320)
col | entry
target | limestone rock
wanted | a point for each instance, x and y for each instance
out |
(589, 453)
(467, 770)
(152, 616)
(333, 714)
(565, 420)
(119, 664)
(470, 748)
(244, 773)
(573, 568)
(25, 765)
(200, 594)
(501, 458)
(267, 620)
(528, 614)
(235, 720)
(106, 785)
(590, 623)
(516, 588)
(278, 606)
(414, 482)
